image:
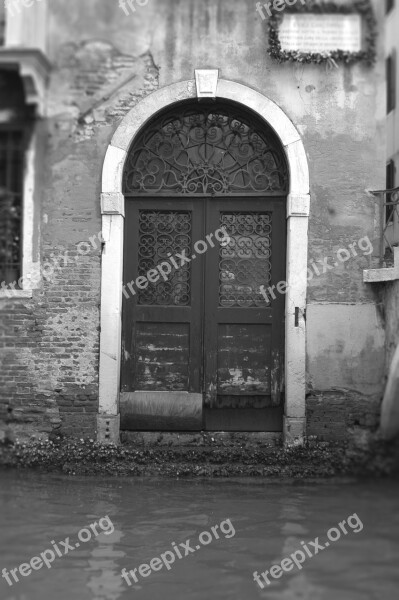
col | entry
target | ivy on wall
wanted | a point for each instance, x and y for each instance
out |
(362, 7)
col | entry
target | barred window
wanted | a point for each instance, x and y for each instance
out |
(391, 82)
(390, 184)
(15, 128)
(2, 23)
(11, 173)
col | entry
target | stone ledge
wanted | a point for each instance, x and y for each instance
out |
(193, 439)
(380, 275)
(34, 69)
(386, 274)
(9, 294)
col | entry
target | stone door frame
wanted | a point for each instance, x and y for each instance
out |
(112, 210)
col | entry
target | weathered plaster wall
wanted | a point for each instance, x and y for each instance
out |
(345, 347)
(95, 48)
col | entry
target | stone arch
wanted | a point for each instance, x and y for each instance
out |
(112, 209)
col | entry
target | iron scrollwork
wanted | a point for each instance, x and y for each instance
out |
(245, 262)
(162, 234)
(205, 151)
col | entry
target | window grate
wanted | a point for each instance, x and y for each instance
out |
(11, 184)
(391, 82)
(390, 184)
(2, 23)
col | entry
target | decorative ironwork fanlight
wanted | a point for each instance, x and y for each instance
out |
(209, 149)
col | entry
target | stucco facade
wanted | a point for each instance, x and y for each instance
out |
(107, 65)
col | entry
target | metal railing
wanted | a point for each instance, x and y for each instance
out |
(389, 223)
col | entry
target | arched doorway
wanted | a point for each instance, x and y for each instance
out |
(113, 214)
(205, 189)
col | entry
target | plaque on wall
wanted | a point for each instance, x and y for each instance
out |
(321, 33)
(324, 32)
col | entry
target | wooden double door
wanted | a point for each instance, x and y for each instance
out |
(203, 347)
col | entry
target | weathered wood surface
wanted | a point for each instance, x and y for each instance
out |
(161, 356)
(243, 359)
(253, 419)
(152, 411)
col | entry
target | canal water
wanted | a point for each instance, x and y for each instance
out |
(260, 523)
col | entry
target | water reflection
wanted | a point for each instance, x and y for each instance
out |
(105, 581)
(270, 519)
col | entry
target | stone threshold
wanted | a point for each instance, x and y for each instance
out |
(150, 439)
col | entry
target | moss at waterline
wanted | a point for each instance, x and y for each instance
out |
(314, 459)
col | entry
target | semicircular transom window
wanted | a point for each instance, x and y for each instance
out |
(206, 149)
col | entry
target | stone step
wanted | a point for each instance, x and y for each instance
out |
(156, 439)
(204, 448)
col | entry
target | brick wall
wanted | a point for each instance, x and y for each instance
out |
(19, 341)
(49, 345)
(341, 415)
(49, 353)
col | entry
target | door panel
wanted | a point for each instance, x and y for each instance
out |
(203, 330)
(161, 353)
(162, 321)
(244, 419)
(244, 353)
(244, 332)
